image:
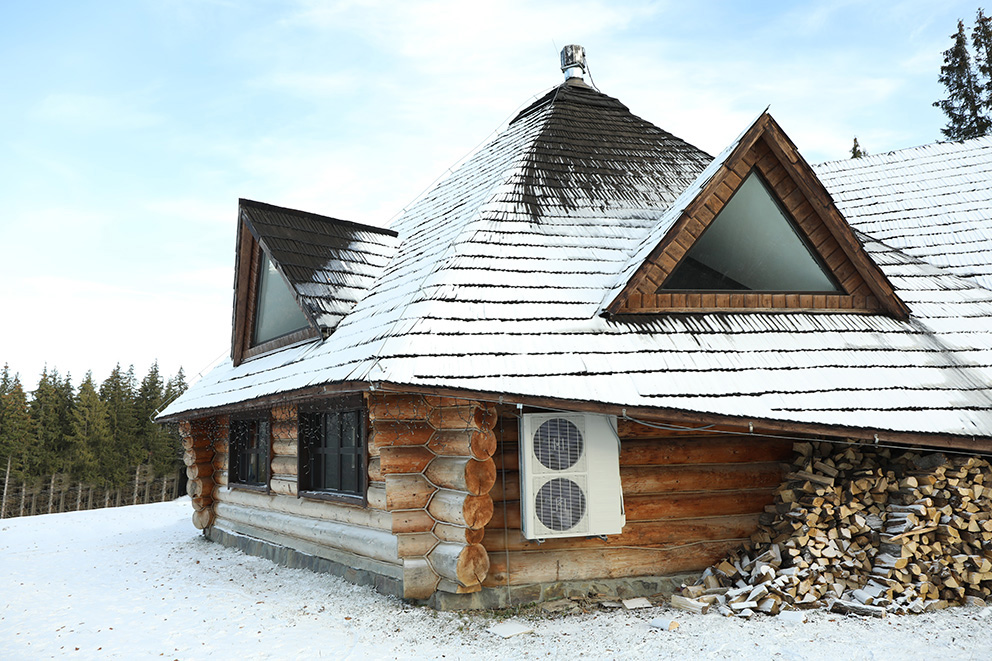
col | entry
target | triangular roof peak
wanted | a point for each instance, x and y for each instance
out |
(763, 153)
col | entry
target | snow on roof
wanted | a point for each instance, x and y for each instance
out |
(933, 202)
(502, 269)
(330, 263)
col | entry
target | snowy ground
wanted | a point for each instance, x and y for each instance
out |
(139, 582)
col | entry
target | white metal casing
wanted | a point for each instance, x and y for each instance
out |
(549, 490)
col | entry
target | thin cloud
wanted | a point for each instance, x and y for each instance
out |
(93, 112)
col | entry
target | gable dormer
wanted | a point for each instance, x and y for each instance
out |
(298, 274)
(756, 231)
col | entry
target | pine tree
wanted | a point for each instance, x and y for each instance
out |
(154, 439)
(90, 432)
(51, 413)
(981, 41)
(16, 428)
(856, 151)
(965, 118)
(121, 453)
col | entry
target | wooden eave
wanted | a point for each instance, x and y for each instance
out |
(691, 420)
(764, 148)
(248, 264)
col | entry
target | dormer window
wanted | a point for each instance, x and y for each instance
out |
(298, 275)
(755, 232)
(276, 312)
(751, 245)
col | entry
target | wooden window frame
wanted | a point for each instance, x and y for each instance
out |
(236, 452)
(321, 411)
(249, 269)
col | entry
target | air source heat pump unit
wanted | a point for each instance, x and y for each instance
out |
(570, 475)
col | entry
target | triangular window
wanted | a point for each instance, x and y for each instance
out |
(277, 313)
(757, 231)
(751, 245)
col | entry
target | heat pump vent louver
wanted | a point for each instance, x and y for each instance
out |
(570, 475)
(560, 504)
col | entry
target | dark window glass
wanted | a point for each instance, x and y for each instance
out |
(249, 452)
(276, 311)
(331, 451)
(751, 245)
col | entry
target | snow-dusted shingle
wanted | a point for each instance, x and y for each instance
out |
(933, 202)
(499, 278)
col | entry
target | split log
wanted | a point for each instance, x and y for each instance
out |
(505, 515)
(375, 496)
(375, 469)
(415, 544)
(695, 504)
(419, 579)
(465, 564)
(448, 532)
(506, 455)
(366, 542)
(848, 607)
(461, 508)
(202, 486)
(634, 534)
(285, 465)
(506, 486)
(720, 450)
(703, 477)
(528, 567)
(283, 487)
(407, 491)
(404, 459)
(470, 416)
(409, 521)
(203, 518)
(463, 443)
(387, 406)
(199, 470)
(462, 474)
(323, 510)
(389, 433)
(285, 448)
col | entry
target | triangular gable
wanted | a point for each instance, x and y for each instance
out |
(327, 265)
(766, 152)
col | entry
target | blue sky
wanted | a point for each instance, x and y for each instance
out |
(130, 129)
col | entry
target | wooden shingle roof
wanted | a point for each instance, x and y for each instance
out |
(329, 263)
(933, 202)
(502, 270)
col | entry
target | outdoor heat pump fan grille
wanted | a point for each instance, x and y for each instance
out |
(560, 504)
(558, 444)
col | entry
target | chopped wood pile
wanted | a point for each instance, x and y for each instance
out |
(862, 530)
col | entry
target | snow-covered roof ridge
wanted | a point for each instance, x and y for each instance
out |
(933, 201)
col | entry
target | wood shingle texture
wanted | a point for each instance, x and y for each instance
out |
(933, 202)
(502, 273)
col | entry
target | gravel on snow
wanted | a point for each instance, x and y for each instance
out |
(140, 582)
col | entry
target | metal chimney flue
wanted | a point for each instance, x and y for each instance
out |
(573, 61)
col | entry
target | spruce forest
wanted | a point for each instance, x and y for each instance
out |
(94, 433)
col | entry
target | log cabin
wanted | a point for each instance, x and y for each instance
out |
(579, 363)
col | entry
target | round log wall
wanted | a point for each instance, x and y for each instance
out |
(433, 458)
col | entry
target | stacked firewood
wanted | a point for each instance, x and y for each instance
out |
(862, 530)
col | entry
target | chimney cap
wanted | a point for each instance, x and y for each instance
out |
(573, 61)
